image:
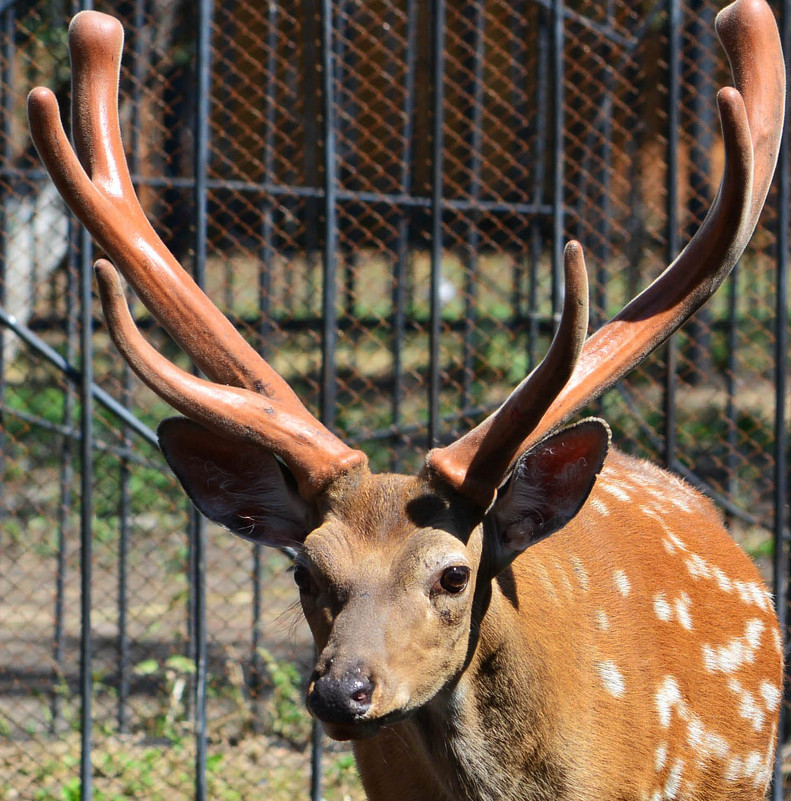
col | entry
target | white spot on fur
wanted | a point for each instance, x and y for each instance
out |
(698, 567)
(777, 641)
(617, 491)
(771, 695)
(612, 678)
(600, 506)
(673, 783)
(706, 743)
(580, 573)
(660, 757)
(602, 621)
(753, 594)
(667, 696)
(753, 632)
(565, 581)
(738, 651)
(683, 603)
(546, 583)
(678, 542)
(662, 608)
(622, 583)
(723, 581)
(749, 708)
(753, 765)
(734, 769)
(665, 611)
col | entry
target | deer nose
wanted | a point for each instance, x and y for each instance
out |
(340, 699)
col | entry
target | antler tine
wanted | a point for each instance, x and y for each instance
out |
(313, 454)
(752, 123)
(103, 197)
(259, 405)
(476, 463)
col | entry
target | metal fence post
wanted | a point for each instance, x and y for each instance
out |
(782, 490)
(437, 166)
(558, 173)
(86, 505)
(198, 523)
(674, 53)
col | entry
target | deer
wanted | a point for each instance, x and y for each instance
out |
(534, 614)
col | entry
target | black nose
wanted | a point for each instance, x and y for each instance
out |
(341, 699)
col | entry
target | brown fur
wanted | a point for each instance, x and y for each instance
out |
(518, 706)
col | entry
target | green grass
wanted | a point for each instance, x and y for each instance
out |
(128, 769)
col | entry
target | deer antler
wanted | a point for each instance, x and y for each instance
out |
(258, 405)
(752, 123)
(471, 462)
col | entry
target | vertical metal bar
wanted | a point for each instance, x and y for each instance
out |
(673, 244)
(781, 476)
(125, 503)
(267, 254)
(329, 288)
(66, 471)
(6, 103)
(86, 514)
(438, 77)
(311, 117)
(86, 506)
(558, 217)
(730, 380)
(346, 149)
(540, 179)
(520, 45)
(634, 241)
(201, 198)
(316, 754)
(473, 234)
(702, 44)
(605, 177)
(402, 247)
(124, 514)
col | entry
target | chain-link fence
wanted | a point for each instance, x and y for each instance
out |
(387, 201)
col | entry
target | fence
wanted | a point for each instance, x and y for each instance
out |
(377, 195)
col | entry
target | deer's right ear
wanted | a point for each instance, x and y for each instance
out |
(241, 487)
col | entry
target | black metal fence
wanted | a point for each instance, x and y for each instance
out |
(377, 194)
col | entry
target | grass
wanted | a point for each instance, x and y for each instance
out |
(266, 752)
(126, 768)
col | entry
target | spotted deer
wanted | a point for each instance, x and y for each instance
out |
(633, 654)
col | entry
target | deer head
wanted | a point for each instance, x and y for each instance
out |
(395, 572)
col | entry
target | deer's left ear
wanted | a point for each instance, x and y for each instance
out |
(548, 486)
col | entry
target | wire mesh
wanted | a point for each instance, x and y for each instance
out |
(554, 122)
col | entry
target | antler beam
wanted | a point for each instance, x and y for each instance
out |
(752, 122)
(96, 184)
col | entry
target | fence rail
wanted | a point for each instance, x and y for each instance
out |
(377, 194)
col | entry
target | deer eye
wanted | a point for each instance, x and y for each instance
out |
(302, 578)
(454, 579)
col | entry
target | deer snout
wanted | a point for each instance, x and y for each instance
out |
(342, 698)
